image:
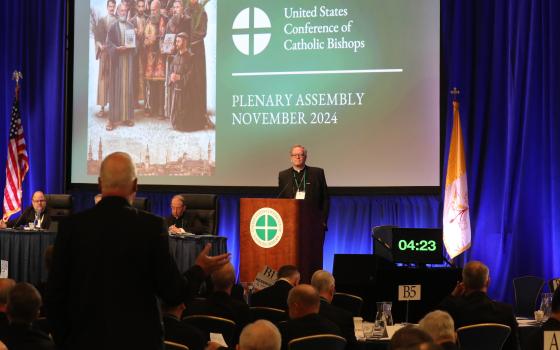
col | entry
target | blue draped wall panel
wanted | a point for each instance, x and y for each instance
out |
(502, 54)
(32, 40)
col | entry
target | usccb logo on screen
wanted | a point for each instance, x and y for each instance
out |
(266, 227)
(251, 31)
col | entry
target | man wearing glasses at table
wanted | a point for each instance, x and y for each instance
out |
(35, 217)
(305, 183)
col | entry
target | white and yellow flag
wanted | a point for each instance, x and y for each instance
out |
(456, 221)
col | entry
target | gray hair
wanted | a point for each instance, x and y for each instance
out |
(439, 324)
(322, 280)
(260, 335)
(299, 146)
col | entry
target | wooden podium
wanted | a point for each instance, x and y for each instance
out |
(301, 242)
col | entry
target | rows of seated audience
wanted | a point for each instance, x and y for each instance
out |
(307, 311)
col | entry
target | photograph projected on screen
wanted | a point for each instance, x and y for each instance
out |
(215, 92)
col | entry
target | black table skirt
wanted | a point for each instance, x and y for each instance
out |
(25, 251)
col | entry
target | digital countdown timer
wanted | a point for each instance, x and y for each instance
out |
(417, 245)
(422, 245)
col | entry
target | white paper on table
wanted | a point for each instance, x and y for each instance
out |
(4, 269)
(218, 338)
(358, 328)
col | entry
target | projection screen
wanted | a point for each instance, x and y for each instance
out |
(355, 82)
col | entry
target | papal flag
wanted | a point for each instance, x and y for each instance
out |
(456, 221)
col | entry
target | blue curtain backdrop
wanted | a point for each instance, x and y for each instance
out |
(32, 40)
(502, 54)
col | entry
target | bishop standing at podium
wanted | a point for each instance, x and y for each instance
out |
(304, 182)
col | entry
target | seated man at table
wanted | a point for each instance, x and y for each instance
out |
(469, 304)
(37, 214)
(276, 296)
(324, 282)
(303, 309)
(220, 303)
(178, 222)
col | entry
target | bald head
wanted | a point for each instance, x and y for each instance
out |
(303, 300)
(475, 276)
(118, 176)
(223, 279)
(261, 335)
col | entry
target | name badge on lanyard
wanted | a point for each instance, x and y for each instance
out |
(300, 195)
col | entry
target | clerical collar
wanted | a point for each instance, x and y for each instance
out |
(299, 171)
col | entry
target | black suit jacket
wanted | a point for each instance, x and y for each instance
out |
(24, 337)
(316, 190)
(311, 324)
(109, 265)
(183, 333)
(191, 224)
(342, 318)
(275, 296)
(221, 304)
(476, 308)
(28, 215)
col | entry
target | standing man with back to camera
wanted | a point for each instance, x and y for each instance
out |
(305, 183)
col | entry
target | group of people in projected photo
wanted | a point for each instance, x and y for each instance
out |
(151, 56)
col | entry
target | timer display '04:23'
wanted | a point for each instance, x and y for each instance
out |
(422, 245)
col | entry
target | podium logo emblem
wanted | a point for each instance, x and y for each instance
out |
(251, 30)
(266, 227)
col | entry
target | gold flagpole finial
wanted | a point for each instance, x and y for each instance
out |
(455, 92)
(16, 75)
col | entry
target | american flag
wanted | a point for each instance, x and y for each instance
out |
(17, 163)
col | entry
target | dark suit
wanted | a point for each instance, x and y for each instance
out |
(109, 265)
(315, 186)
(24, 337)
(311, 324)
(478, 308)
(222, 305)
(342, 318)
(28, 215)
(191, 224)
(183, 333)
(275, 296)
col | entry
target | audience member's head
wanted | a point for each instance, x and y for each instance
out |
(440, 326)
(3, 346)
(223, 279)
(6, 285)
(117, 176)
(476, 276)
(289, 273)
(303, 300)
(24, 302)
(323, 281)
(260, 335)
(409, 337)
